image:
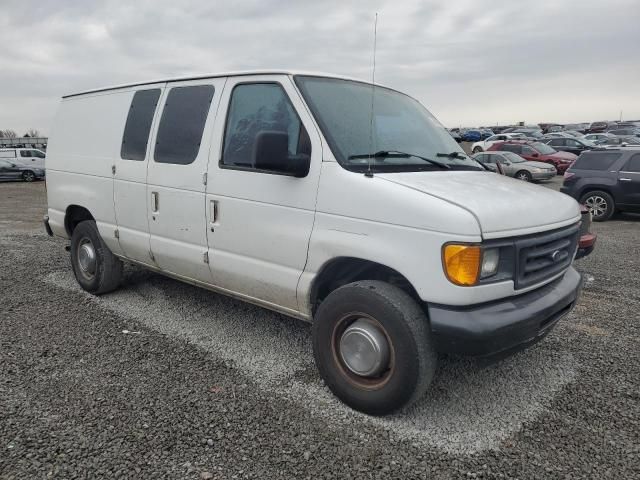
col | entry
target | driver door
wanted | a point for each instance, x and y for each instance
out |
(260, 220)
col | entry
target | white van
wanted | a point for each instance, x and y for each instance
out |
(328, 199)
(28, 157)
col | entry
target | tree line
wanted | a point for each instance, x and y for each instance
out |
(8, 133)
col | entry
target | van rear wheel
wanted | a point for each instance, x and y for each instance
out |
(97, 270)
(372, 346)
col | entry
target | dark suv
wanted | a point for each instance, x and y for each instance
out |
(605, 181)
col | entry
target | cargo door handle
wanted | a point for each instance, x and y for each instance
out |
(154, 202)
(625, 179)
(213, 214)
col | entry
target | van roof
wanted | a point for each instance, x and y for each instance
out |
(218, 75)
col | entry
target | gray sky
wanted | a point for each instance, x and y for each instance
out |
(469, 61)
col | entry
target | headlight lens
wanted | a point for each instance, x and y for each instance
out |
(490, 261)
(466, 264)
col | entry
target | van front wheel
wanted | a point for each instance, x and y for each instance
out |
(372, 346)
(97, 270)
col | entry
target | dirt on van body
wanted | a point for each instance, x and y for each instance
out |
(164, 380)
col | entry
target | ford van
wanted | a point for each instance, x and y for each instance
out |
(331, 200)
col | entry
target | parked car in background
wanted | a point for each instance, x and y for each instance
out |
(557, 135)
(599, 127)
(528, 132)
(618, 142)
(483, 145)
(456, 135)
(573, 133)
(14, 171)
(605, 181)
(625, 132)
(537, 151)
(471, 135)
(486, 133)
(571, 145)
(513, 165)
(24, 156)
(596, 137)
(578, 127)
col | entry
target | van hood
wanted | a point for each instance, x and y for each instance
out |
(503, 206)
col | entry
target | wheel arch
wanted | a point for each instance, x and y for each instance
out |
(343, 270)
(75, 214)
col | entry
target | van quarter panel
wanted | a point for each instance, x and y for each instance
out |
(84, 145)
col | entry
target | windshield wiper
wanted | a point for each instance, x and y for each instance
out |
(396, 154)
(452, 155)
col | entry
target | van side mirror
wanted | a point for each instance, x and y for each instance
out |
(271, 153)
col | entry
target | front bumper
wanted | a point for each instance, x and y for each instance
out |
(506, 325)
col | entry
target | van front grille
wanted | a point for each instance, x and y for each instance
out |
(542, 256)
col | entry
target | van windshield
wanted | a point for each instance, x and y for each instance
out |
(343, 109)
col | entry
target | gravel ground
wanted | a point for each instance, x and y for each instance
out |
(161, 379)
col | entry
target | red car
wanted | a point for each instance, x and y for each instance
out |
(537, 151)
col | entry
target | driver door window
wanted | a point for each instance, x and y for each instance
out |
(255, 110)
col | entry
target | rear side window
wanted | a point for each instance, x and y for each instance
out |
(633, 165)
(8, 154)
(182, 124)
(256, 108)
(139, 119)
(595, 161)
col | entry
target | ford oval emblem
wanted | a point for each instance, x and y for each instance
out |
(556, 256)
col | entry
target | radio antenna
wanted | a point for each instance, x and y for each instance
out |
(373, 88)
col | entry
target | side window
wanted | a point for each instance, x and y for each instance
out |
(489, 158)
(182, 124)
(528, 150)
(136, 130)
(633, 164)
(257, 109)
(25, 153)
(512, 148)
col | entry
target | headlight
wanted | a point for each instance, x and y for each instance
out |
(466, 264)
(490, 261)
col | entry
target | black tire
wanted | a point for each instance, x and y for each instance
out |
(28, 176)
(523, 175)
(412, 362)
(477, 150)
(107, 272)
(600, 204)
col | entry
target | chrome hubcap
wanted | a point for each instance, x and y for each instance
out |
(87, 257)
(523, 176)
(364, 348)
(596, 205)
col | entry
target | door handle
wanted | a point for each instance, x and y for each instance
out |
(213, 213)
(625, 179)
(154, 202)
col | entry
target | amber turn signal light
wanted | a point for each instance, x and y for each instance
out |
(462, 263)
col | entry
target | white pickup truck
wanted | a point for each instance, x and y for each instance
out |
(327, 199)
